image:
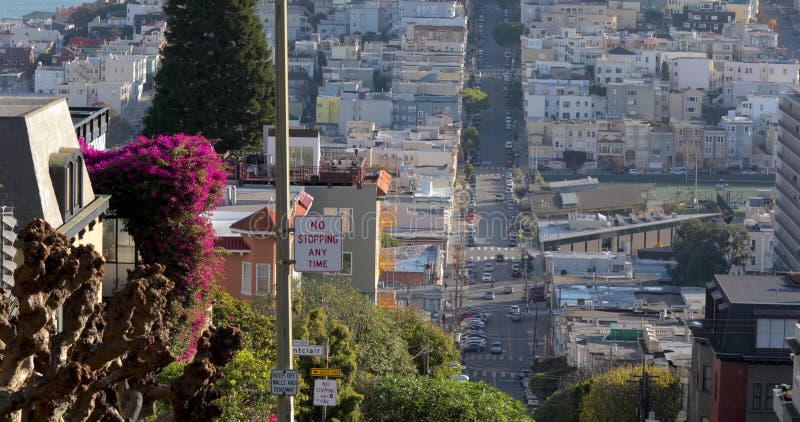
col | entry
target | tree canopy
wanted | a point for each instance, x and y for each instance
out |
(435, 399)
(703, 249)
(216, 74)
(381, 348)
(474, 100)
(612, 395)
(507, 34)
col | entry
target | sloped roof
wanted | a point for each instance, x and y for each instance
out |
(231, 244)
(384, 181)
(259, 222)
(621, 51)
(263, 221)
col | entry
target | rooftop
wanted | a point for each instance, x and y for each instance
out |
(765, 289)
(549, 231)
(12, 107)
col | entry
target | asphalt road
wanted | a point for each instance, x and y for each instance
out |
(492, 122)
(517, 337)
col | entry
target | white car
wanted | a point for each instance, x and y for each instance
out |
(509, 144)
(487, 277)
(513, 308)
(497, 348)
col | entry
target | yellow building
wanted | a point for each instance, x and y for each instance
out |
(328, 110)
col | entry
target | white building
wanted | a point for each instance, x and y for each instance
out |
(690, 72)
(762, 72)
(47, 78)
(86, 94)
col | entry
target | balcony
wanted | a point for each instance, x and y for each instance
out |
(336, 172)
(783, 406)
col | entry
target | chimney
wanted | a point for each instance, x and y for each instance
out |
(731, 114)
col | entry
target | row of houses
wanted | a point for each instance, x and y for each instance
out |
(714, 92)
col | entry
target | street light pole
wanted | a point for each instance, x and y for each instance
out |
(283, 288)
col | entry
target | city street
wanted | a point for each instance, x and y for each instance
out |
(516, 337)
(492, 131)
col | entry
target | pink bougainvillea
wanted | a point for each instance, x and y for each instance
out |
(164, 187)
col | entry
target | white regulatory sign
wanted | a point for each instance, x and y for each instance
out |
(308, 350)
(318, 243)
(284, 382)
(324, 392)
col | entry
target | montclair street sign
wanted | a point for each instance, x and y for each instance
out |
(318, 243)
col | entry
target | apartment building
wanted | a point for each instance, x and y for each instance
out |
(762, 72)
(739, 353)
(738, 140)
(787, 183)
(638, 100)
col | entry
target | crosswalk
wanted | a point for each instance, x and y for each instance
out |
(491, 373)
(503, 357)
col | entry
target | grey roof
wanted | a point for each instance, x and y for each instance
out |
(32, 129)
(21, 106)
(763, 289)
(603, 197)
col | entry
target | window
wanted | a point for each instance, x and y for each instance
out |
(247, 274)
(347, 263)
(756, 402)
(347, 216)
(263, 280)
(706, 377)
(770, 333)
(768, 399)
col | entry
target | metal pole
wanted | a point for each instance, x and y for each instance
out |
(283, 289)
(327, 355)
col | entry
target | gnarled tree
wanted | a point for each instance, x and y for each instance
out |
(102, 362)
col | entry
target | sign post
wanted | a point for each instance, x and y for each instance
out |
(284, 382)
(325, 392)
(309, 350)
(318, 243)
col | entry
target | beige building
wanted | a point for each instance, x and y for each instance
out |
(686, 105)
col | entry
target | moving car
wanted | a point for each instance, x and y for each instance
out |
(497, 348)
(487, 266)
(508, 289)
(499, 258)
(487, 277)
(513, 308)
(489, 295)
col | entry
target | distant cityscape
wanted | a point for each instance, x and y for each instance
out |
(517, 172)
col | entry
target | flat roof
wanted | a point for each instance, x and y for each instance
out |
(560, 230)
(761, 289)
(11, 107)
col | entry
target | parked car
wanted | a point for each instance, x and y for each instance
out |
(473, 347)
(489, 295)
(509, 144)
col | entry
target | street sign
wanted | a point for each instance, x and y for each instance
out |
(318, 243)
(325, 392)
(309, 350)
(284, 382)
(326, 372)
(300, 342)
